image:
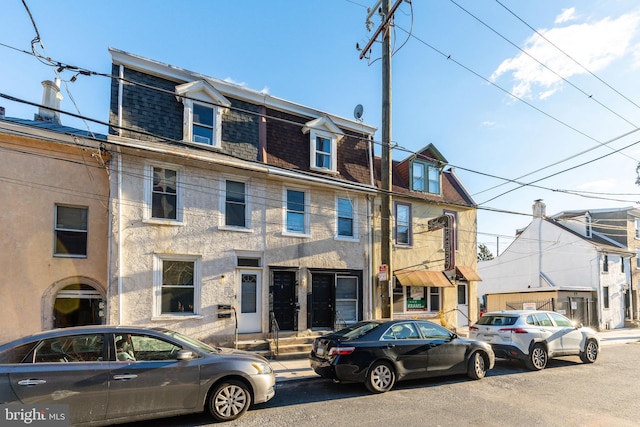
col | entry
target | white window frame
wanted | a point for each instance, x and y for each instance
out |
(158, 260)
(427, 292)
(425, 180)
(204, 94)
(353, 301)
(637, 258)
(333, 161)
(410, 224)
(223, 204)
(637, 223)
(306, 213)
(148, 195)
(354, 218)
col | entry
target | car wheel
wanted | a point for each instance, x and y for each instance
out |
(590, 352)
(229, 400)
(476, 369)
(380, 378)
(537, 358)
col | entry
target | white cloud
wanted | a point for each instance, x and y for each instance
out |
(488, 124)
(232, 81)
(566, 16)
(594, 45)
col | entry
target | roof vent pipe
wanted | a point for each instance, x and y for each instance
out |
(51, 98)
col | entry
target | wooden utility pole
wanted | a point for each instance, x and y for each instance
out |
(386, 211)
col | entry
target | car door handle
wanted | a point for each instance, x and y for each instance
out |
(30, 382)
(125, 377)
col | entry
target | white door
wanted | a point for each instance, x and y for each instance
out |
(463, 305)
(249, 301)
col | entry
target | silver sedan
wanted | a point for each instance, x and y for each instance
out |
(111, 374)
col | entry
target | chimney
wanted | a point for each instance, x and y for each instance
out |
(539, 209)
(51, 98)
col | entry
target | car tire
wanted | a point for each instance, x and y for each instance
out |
(380, 378)
(537, 357)
(590, 353)
(476, 368)
(229, 400)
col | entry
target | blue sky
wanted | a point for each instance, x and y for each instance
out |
(544, 93)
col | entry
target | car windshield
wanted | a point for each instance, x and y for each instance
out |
(356, 330)
(206, 348)
(497, 320)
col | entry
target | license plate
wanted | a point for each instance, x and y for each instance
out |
(320, 351)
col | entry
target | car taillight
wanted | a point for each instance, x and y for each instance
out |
(514, 330)
(341, 351)
(473, 328)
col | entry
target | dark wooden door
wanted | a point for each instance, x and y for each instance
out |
(323, 300)
(284, 299)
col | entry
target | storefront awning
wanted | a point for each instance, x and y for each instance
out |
(468, 273)
(423, 278)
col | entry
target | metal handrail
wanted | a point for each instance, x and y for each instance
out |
(339, 319)
(275, 329)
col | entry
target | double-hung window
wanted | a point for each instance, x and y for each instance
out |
(203, 110)
(425, 178)
(177, 280)
(323, 144)
(164, 199)
(296, 211)
(346, 218)
(403, 224)
(71, 231)
(235, 204)
(637, 221)
(203, 124)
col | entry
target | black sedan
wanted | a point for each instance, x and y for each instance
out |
(379, 353)
(107, 375)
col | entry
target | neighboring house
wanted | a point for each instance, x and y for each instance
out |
(588, 273)
(55, 197)
(225, 198)
(623, 226)
(434, 241)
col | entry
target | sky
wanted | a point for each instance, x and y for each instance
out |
(526, 100)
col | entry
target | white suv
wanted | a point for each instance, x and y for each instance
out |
(535, 336)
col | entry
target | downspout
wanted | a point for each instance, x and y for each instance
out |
(119, 163)
(372, 182)
(120, 90)
(370, 250)
(119, 269)
(598, 290)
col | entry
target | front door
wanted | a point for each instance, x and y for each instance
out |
(322, 300)
(249, 301)
(283, 293)
(463, 305)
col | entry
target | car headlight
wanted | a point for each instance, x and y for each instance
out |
(262, 367)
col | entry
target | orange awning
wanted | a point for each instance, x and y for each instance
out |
(468, 273)
(423, 278)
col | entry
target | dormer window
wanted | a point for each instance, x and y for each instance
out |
(425, 177)
(203, 108)
(324, 136)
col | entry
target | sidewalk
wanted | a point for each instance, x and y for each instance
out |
(293, 370)
(299, 369)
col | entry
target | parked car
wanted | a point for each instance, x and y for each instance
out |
(535, 336)
(379, 353)
(112, 374)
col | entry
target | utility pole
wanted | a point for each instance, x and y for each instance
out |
(386, 210)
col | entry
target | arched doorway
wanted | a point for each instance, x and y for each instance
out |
(76, 305)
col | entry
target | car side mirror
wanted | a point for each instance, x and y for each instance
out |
(576, 325)
(185, 355)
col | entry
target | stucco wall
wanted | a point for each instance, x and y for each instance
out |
(37, 175)
(201, 235)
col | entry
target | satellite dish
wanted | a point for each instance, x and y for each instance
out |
(357, 112)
